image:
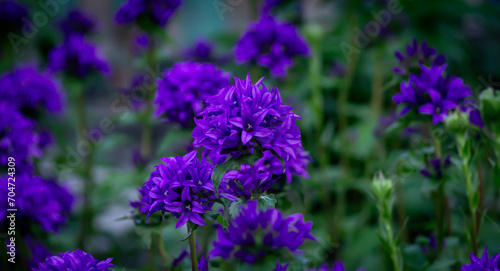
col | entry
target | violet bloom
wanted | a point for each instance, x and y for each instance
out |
(76, 22)
(281, 268)
(201, 51)
(17, 139)
(245, 116)
(183, 90)
(436, 168)
(11, 17)
(77, 58)
(38, 252)
(255, 234)
(271, 44)
(416, 56)
(482, 264)
(141, 87)
(29, 90)
(471, 107)
(76, 261)
(431, 93)
(182, 186)
(203, 263)
(337, 266)
(145, 12)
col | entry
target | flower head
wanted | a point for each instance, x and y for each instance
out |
(183, 90)
(201, 51)
(157, 12)
(417, 55)
(181, 186)
(38, 252)
(77, 58)
(271, 44)
(436, 168)
(11, 17)
(77, 22)
(255, 234)
(28, 90)
(244, 117)
(482, 264)
(76, 261)
(431, 93)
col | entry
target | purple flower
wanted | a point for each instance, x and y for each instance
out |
(41, 201)
(38, 252)
(77, 58)
(181, 186)
(17, 139)
(243, 117)
(77, 22)
(157, 12)
(416, 56)
(271, 44)
(250, 181)
(143, 40)
(436, 168)
(431, 93)
(337, 266)
(141, 87)
(11, 17)
(184, 88)
(281, 268)
(255, 234)
(28, 90)
(430, 245)
(203, 263)
(76, 261)
(482, 264)
(200, 52)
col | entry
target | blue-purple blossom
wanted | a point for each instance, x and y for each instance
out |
(77, 58)
(28, 90)
(432, 93)
(436, 167)
(75, 261)
(255, 234)
(38, 252)
(203, 263)
(141, 87)
(182, 186)
(279, 267)
(17, 138)
(76, 22)
(157, 12)
(482, 264)
(244, 117)
(271, 44)
(337, 266)
(183, 90)
(201, 51)
(11, 17)
(42, 201)
(416, 56)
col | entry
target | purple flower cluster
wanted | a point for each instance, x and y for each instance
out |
(17, 139)
(255, 234)
(42, 201)
(271, 44)
(279, 267)
(11, 17)
(77, 58)
(417, 55)
(38, 252)
(182, 186)
(27, 90)
(432, 93)
(76, 22)
(337, 266)
(76, 261)
(244, 117)
(251, 180)
(157, 12)
(201, 51)
(183, 90)
(482, 264)
(436, 168)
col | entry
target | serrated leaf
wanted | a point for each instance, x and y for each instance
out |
(222, 221)
(266, 202)
(235, 208)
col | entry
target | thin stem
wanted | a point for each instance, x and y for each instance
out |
(192, 249)
(146, 137)
(157, 245)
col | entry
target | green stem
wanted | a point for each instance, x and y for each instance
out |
(158, 247)
(192, 249)
(146, 137)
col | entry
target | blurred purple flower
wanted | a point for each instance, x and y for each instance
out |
(11, 17)
(436, 168)
(183, 90)
(281, 268)
(431, 245)
(255, 234)
(77, 58)
(76, 261)
(337, 266)
(157, 12)
(180, 258)
(416, 56)
(482, 264)
(271, 44)
(76, 22)
(143, 40)
(141, 87)
(200, 52)
(28, 90)
(38, 252)
(182, 186)
(470, 107)
(203, 263)
(431, 93)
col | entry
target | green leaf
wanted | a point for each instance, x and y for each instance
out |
(222, 221)
(235, 207)
(233, 164)
(192, 228)
(266, 201)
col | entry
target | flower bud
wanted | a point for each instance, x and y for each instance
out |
(457, 122)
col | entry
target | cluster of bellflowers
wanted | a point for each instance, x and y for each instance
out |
(77, 22)
(147, 12)
(485, 263)
(74, 260)
(271, 44)
(184, 88)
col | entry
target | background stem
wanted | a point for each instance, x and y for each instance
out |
(192, 249)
